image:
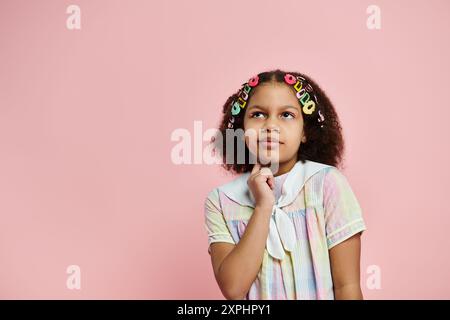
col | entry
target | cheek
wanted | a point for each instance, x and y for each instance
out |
(251, 139)
(294, 133)
(252, 128)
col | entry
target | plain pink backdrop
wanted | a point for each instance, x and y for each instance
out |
(86, 116)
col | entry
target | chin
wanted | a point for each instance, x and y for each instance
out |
(269, 159)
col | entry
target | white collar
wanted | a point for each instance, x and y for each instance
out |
(238, 191)
(281, 231)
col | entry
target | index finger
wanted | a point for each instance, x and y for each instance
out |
(256, 167)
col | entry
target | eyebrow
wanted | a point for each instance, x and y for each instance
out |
(265, 108)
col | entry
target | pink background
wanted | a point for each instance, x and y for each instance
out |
(86, 116)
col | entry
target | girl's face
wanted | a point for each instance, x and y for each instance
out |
(274, 113)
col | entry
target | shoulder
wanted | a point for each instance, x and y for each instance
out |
(232, 189)
(212, 199)
(213, 194)
(336, 187)
(312, 168)
(235, 184)
(238, 182)
(237, 191)
(317, 172)
(334, 177)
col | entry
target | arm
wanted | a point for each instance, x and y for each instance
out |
(237, 266)
(344, 225)
(345, 269)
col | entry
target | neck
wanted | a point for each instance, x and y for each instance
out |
(286, 166)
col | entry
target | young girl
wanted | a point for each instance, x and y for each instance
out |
(293, 232)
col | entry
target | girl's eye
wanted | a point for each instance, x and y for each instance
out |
(255, 114)
(288, 114)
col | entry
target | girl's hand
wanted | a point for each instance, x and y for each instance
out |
(261, 184)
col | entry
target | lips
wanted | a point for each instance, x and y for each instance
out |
(270, 140)
(269, 143)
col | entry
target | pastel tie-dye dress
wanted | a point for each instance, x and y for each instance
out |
(315, 203)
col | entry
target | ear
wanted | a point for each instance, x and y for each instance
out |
(304, 139)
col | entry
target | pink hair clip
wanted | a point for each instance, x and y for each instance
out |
(253, 82)
(290, 79)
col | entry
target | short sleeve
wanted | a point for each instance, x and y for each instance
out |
(215, 224)
(343, 214)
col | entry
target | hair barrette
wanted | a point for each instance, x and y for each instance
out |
(304, 93)
(242, 98)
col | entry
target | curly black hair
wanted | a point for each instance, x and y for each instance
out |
(325, 143)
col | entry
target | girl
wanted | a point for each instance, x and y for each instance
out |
(292, 232)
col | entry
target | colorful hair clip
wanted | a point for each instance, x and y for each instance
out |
(309, 107)
(242, 98)
(289, 78)
(302, 92)
(321, 117)
(253, 82)
(235, 109)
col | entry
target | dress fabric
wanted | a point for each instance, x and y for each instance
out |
(315, 210)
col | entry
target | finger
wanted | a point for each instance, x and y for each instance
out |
(271, 182)
(266, 171)
(256, 168)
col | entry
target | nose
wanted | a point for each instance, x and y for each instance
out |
(271, 126)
